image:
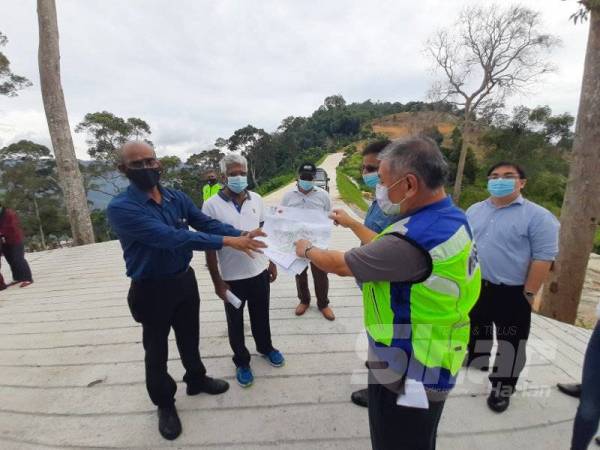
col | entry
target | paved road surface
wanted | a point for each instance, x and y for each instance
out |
(72, 374)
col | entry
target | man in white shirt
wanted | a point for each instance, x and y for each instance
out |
(308, 196)
(246, 275)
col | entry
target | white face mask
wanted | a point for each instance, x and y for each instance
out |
(384, 202)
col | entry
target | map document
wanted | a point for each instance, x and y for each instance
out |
(285, 225)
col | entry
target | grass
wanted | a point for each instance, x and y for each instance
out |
(349, 192)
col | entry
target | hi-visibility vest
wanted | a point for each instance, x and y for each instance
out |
(421, 329)
(208, 191)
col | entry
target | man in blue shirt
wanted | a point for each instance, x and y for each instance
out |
(152, 222)
(517, 241)
(375, 219)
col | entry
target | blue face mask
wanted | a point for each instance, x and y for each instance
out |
(371, 179)
(237, 184)
(306, 185)
(501, 187)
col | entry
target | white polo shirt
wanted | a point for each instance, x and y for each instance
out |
(317, 198)
(234, 264)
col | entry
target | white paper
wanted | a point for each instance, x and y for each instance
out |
(284, 226)
(414, 395)
(233, 299)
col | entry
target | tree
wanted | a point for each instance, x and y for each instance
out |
(255, 144)
(488, 55)
(71, 180)
(580, 214)
(106, 133)
(28, 175)
(10, 83)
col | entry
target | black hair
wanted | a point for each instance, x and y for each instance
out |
(375, 147)
(517, 167)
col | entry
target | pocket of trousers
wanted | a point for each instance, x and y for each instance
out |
(133, 300)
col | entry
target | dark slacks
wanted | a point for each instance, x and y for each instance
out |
(160, 305)
(506, 308)
(321, 286)
(588, 412)
(396, 427)
(256, 293)
(15, 257)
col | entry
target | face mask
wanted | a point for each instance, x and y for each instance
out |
(501, 187)
(145, 179)
(384, 202)
(212, 182)
(237, 184)
(306, 185)
(371, 179)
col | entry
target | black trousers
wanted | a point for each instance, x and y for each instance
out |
(396, 427)
(256, 293)
(506, 308)
(160, 305)
(15, 256)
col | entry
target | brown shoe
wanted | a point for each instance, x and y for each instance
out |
(301, 308)
(328, 313)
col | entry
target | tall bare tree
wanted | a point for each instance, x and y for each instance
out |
(488, 54)
(580, 215)
(69, 174)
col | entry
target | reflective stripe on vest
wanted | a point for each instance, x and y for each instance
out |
(436, 331)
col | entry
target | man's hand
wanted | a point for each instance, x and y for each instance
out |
(258, 232)
(244, 244)
(272, 272)
(220, 289)
(341, 217)
(301, 246)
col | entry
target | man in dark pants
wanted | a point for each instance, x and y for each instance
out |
(152, 222)
(248, 278)
(12, 247)
(420, 278)
(375, 220)
(517, 241)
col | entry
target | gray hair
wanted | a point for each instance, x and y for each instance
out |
(420, 156)
(231, 159)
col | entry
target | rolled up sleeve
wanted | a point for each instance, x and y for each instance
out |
(543, 235)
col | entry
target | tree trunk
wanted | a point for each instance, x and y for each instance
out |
(580, 213)
(58, 124)
(463, 156)
(39, 220)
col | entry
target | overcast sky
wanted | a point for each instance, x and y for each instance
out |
(198, 70)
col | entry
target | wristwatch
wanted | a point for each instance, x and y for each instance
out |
(306, 250)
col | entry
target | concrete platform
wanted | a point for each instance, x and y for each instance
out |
(71, 370)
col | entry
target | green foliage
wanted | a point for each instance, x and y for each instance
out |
(107, 132)
(452, 155)
(349, 192)
(597, 242)
(102, 230)
(28, 174)
(275, 183)
(10, 83)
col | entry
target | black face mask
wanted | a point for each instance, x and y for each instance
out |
(145, 179)
(212, 182)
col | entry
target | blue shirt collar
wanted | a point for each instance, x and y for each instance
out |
(517, 201)
(142, 196)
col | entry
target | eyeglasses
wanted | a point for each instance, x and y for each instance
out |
(148, 163)
(506, 176)
(369, 169)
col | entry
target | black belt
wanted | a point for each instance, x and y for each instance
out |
(487, 283)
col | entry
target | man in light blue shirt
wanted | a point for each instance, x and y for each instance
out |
(517, 241)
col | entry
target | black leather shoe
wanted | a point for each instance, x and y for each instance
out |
(169, 424)
(573, 390)
(498, 402)
(360, 398)
(212, 386)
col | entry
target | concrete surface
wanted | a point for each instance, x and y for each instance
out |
(72, 372)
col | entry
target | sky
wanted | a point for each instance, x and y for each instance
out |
(199, 70)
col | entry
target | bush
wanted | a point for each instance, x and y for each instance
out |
(349, 192)
(596, 248)
(274, 183)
